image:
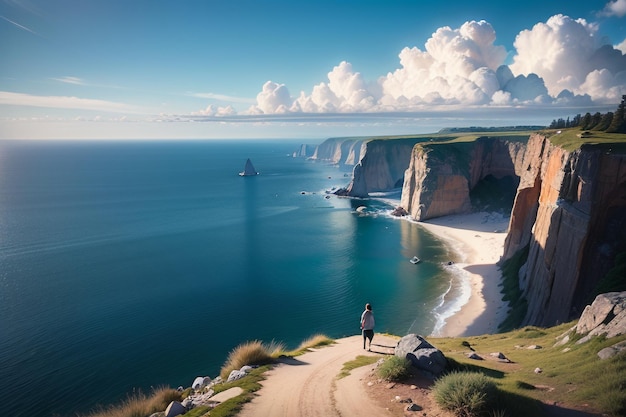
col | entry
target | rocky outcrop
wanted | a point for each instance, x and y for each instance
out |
(570, 211)
(440, 176)
(422, 354)
(606, 315)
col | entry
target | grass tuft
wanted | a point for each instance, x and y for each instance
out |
(466, 394)
(394, 368)
(251, 353)
(317, 340)
(139, 404)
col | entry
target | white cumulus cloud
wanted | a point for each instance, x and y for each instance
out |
(560, 61)
(564, 52)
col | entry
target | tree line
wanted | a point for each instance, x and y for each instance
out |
(610, 122)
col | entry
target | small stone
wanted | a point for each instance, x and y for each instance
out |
(413, 386)
(538, 370)
(475, 356)
(414, 407)
(531, 347)
(390, 385)
(498, 355)
(369, 384)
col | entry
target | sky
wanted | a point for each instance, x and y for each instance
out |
(152, 69)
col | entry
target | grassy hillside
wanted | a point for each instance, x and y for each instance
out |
(571, 375)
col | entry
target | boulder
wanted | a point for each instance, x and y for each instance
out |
(422, 354)
(175, 409)
(606, 315)
(602, 311)
(611, 351)
(200, 382)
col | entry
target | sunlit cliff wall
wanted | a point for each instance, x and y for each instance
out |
(570, 210)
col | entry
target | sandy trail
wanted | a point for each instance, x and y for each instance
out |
(307, 386)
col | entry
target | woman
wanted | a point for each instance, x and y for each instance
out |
(367, 325)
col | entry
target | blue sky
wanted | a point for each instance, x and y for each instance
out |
(220, 69)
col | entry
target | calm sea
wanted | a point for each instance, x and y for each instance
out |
(128, 265)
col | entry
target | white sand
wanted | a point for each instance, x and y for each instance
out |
(478, 239)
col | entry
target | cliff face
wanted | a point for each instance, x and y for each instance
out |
(341, 151)
(382, 165)
(570, 210)
(440, 176)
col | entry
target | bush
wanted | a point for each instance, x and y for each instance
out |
(394, 368)
(466, 394)
(250, 353)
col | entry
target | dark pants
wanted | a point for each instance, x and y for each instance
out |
(368, 334)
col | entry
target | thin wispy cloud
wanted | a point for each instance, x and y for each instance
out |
(66, 102)
(19, 26)
(223, 97)
(71, 80)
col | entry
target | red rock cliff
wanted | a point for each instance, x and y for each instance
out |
(570, 210)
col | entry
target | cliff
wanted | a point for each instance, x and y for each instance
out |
(340, 151)
(570, 210)
(440, 176)
(382, 165)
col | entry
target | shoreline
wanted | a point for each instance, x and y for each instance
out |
(478, 240)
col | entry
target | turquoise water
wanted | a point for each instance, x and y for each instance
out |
(128, 265)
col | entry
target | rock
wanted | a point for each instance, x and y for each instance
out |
(611, 351)
(422, 354)
(175, 409)
(413, 407)
(200, 382)
(474, 355)
(498, 355)
(531, 347)
(607, 310)
(399, 212)
(538, 370)
(236, 374)
(405, 400)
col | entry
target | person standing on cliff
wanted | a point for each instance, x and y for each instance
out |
(367, 325)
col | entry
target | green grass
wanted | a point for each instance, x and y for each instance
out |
(394, 368)
(466, 394)
(574, 377)
(358, 362)
(570, 139)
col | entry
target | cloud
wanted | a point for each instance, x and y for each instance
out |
(19, 26)
(560, 62)
(71, 80)
(564, 52)
(65, 102)
(223, 97)
(615, 8)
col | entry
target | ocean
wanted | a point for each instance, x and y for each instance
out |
(126, 265)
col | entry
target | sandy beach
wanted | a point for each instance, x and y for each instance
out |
(478, 241)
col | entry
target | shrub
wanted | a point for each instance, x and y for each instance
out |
(466, 394)
(394, 368)
(250, 353)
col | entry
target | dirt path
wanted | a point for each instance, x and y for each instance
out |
(307, 386)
